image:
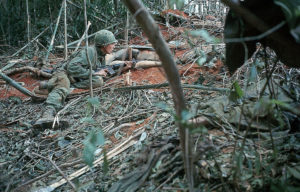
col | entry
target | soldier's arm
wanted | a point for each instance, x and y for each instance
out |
(76, 70)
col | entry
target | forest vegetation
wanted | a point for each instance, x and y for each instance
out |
(206, 96)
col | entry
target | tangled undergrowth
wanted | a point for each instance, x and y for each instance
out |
(245, 141)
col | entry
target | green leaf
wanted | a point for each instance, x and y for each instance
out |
(94, 101)
(88, 154)
(186, 115)
(165, 107)
(94, 139)
(201, 60)
(294, 171)
(179, 4)
(238, 89)
(285, 106)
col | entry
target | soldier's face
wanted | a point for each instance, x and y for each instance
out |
(108, 48)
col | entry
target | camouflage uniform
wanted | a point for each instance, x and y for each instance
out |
(75, 73)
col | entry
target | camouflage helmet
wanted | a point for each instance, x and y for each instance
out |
(104, 37)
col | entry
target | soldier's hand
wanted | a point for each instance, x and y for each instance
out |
(102, 72)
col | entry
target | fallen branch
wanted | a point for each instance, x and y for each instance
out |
(54, 33)
(157, 86)
(38, 72)
(19, 87)
(127, 125)
(82, 37)
(65, 165)
(116, 151)
(134, 180)
(57, 168)
(56, 118)
(30, 42)
(198, 121)
(144, 47)
(167, 180)
(153, 86)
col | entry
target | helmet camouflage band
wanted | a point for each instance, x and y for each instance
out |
(104, 37)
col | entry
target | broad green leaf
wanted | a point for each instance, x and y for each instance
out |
(94, 101)
(162, 105)
(295, 172)
(88, 154)
(179, 4)
(277, 102)
(238, 89)
(285, 106)
(201, 60)
(172, 3)
(94, 139)
(186, 115)
(165, 107)
(237, 93)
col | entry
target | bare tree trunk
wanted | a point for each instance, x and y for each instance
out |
(54, 33)
(155, 37)
(86, 50)
(126, 28)
(66, 34)
(28, 22)
(116, 6)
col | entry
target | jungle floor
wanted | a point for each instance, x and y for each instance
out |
(142, 151)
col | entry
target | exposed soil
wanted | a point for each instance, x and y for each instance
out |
(138, 126)
(28, 81)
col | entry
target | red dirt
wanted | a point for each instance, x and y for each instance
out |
(176, 12)
(152, 75)
(27, 78)
(190, 74)
(78, 90)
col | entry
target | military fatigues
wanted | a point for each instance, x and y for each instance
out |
(75, 73)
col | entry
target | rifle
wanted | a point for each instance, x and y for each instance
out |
(111, 69)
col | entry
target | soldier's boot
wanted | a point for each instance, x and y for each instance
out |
(47, 119)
